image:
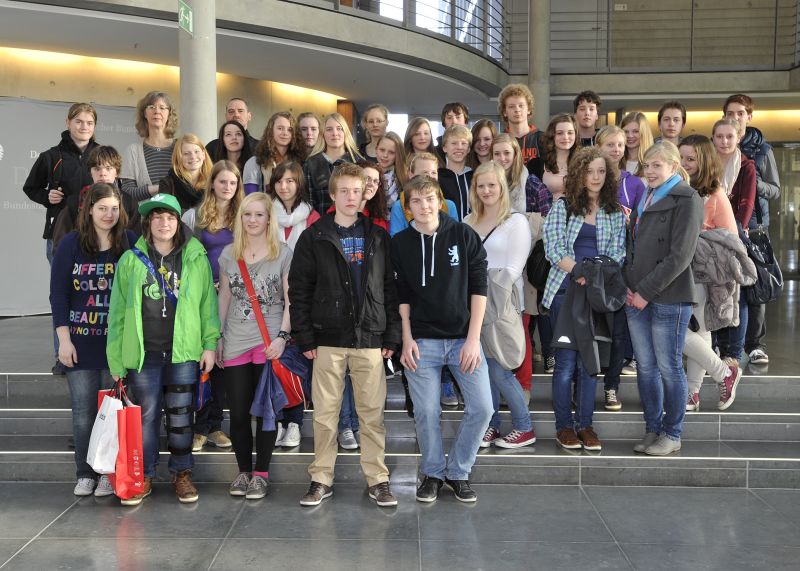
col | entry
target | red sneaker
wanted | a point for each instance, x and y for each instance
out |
(727, 388)
(491, 435)
(516, 439)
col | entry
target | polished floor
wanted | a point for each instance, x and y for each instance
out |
(512, 526)
(523, 527)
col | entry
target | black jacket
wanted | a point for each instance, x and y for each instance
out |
(658, 264)
(61, 166)
(317, 171)
(455, 187)
(323, 308)
(188, 197)
(437, 275)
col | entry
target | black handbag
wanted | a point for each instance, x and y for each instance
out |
(769, 285)
(537, 267)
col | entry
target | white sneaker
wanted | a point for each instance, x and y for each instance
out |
(759, 357)
(104, 487)
(291, 437)
(347, 439)
(630, 368)
(281, 434)
(84, 487)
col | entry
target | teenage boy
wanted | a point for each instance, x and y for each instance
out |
(454, 113)
(343, 308)
(671, 121)
(440, 266)
(515, 105)
(768, 187)
(456, 177)
(235, 110)
(586, 106)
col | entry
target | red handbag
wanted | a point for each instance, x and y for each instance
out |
(292, 384)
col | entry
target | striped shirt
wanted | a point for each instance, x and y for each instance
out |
(158, 161)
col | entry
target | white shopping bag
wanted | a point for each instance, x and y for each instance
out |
(104, 444)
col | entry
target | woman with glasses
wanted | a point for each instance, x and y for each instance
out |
(145, 163)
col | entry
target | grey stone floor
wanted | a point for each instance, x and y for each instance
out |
(522, 527)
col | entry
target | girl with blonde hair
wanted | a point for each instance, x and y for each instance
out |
(188, 177)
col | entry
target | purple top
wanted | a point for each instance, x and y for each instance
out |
(631, 190)
(585, 246)
(214, 242)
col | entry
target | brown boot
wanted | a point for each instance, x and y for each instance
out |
(147, 488)
(184, 488)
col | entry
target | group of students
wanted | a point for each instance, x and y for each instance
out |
(401, 247)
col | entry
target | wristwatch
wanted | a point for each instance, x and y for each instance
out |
(285, 335)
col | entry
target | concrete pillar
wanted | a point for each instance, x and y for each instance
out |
(539, 60)
(197, 56)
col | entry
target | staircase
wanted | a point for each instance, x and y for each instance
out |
(753, 444)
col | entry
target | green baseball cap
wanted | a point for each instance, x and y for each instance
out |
(166, 201)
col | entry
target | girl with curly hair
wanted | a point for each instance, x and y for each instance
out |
(588, 222)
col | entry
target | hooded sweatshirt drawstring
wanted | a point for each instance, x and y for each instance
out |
(433, 256)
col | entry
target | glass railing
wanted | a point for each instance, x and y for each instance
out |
(478, 25)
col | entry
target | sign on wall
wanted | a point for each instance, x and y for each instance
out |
(30, 127)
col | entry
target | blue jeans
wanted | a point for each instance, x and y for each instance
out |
(503, 381)
(425, 387)
(83, 387)
(163, 385)
(620, 342)
(731, 339)
(348, 417)
(569, 368)
(658, 333)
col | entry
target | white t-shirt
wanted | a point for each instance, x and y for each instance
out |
(508, 247)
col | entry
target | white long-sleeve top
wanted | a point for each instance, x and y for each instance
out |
(509, 247)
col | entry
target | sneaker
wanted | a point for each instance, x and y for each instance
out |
(147, 488)
(462, 490)
(198, 442)
(219, 439)
(589, 439)
(257, 488)
(693, 402)
(727, 388)
(382, 495)
(759, 357)
(240, 484)
(663, 446)
(629, 368)
(428, 490)
(449, 397)
(647, 441)
(315, 494)
(347, 439)
(104, 487)
(84, 487)
(490, 436)
(291, 437)
(549, 364)
(281, 433)
(517, 439)
(184, 488)
(567, 439)
(612, 402)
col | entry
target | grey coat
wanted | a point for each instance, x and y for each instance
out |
(721, 263)
(658, 261)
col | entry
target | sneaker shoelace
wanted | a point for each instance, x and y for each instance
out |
(241, 480)
(513, 435)
(382, 488)
(611, 395)
(723, 391)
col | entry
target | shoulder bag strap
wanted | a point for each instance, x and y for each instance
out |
(489, 234)
(156, 276)
(251, 293)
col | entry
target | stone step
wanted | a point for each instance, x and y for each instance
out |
(699, 463)
(708, 426)
(47, 391)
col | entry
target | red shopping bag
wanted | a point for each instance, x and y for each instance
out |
(128, 480)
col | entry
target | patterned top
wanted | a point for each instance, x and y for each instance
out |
(538, 197)
(559, 236)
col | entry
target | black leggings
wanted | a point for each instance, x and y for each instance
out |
(241, 382)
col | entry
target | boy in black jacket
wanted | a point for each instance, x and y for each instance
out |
(343, 308)
(441, 283)
(456, 176)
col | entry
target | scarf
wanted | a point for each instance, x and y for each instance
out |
(392, 188)
(653, 196)
(730, 172)
(296, 221)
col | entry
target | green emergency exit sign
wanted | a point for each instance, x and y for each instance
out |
(185, 17)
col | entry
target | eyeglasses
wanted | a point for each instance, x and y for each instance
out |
(161, 108)
(376, 122)
(373, 181)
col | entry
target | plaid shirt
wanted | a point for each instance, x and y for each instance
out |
(559, 236)
(538, 197)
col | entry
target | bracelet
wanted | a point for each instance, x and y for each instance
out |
(284, 335)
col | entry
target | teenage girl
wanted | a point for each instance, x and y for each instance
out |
(374, 122)
(418, 137)
(392, 159)
(187, 179)
(280, 141)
